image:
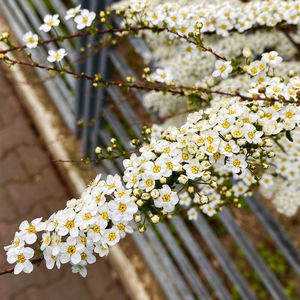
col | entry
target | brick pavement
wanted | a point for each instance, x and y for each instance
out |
(30, 187)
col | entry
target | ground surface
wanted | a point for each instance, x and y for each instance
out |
(30, 187)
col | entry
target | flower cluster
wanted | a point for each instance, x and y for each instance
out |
(182, 63)
(185, 65)
(215, 156)
(89, 225)
(82, 17)
(220, 17)
(189, 167)
(281, 181)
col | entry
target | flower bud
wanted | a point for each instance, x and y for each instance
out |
(5, 35)
(191, 189)
(145, 196)
(204, 199)
(268, 143)
(138, 218)
(247, 52)
(155, 219)
(262, 90)
(206, 176)
(140, 202)
(261, 113)
(200, 155)
(256, 154)
(133, 198)
(213, 184)
(154, 193)
(98, 150)
(142, 228)
(245, 68)
(271, 154)
(205, 164)
(291, 73)
(228, 137)
(137, 192)
(228, 194)
(241, 142)
(148, 131)
(199, 25)
(163, 180)
(182, 179)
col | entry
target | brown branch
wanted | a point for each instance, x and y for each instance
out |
(97, 160)
(147, 86)
(198, 45)
(281, 26)
(286, 32)
(113, 30)
(11, 270)
(83, 34)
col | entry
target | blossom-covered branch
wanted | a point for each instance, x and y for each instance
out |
(187, 167)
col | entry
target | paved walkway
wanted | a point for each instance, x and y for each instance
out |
(31, 187)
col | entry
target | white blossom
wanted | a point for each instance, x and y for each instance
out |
(72, 12)
(30, 39)
(56, 55)
(84, 19)
(49, 22)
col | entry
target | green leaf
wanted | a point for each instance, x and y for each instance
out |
(288, 136)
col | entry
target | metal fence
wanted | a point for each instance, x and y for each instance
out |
(181, 254)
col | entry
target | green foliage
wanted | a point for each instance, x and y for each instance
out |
(278, 265)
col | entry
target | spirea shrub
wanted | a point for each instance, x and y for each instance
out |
(227, 74)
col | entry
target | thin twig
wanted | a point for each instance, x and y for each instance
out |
(82, 34)
(193, 42)
(97, 160)
(11, 270)
(288, 35)
(149, 86)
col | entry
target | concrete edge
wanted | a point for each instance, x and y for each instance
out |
(45, 121)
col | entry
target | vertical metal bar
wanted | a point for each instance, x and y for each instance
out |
(145, 245)
(100, 101)
(275, 231)
(200, 259)
(19, 24)
(173, 273)
(269, 279)
(223, 258)
(80, 86)
(115, 93)
(184, 263)
(89, 92)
